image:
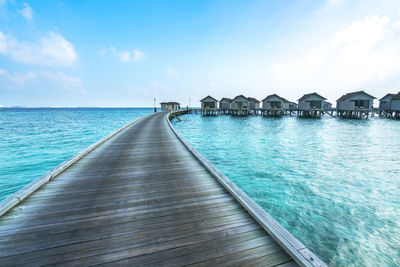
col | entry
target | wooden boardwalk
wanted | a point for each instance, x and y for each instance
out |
(140, 198)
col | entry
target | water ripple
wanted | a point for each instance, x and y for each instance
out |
(334, 184)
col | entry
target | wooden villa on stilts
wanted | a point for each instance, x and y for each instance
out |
(311, 106)
(355, 105)
(254, 105)
(240, 106)
(209, 106)
(395, 106)
(385, 105)
(274, 106)
(170, 106)
(389, 106)
(225, 105)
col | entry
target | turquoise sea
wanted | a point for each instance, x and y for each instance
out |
(35, 140)
(333, 183)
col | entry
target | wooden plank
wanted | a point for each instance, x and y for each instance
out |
(242, 257)
(55, 218)
(275, 259)
(211, 252)
(122, 218)
(91, 252)
(23, 244)
(158, 253)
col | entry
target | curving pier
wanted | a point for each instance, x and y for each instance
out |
(142, 196)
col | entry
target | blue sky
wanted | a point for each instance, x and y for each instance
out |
(125, 53)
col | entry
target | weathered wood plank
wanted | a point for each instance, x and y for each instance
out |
(90, 251)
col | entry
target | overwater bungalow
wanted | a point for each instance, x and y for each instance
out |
(311, 105)
(327, 105)
(253, 103)
(225, 103)
(209, 105)
(292, 105)
(395, 106)
(240, 105)
(274, 106)
(384, 102)
(168, 106)
(355, 105)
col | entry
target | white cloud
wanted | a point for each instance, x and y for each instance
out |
(26, 12)
(363, 55)
(51, 50)
(137, 55)
(366, 33)
(329, 5)
(125, 55)
(172, 72)
(35, 79)
(211, 84)
(63, 79)
(16, 80)
(396, 25)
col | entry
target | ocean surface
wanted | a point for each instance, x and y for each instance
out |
(333, 183)
(35, 140)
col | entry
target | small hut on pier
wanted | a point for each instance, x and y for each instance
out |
(311, 105)
(395, 106)
(292, 105)
(168, 106)
(385, 104)
(209, 105)
(240, 105)
(274, 106)
(225, 103)
(355, 105)
(254, 104)
(327, 105)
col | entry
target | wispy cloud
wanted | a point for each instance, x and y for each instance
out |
(16, 80)
(34, 79)
(125, 55)
(363, 54)
(26, 12)
(211, 84)
(172, 72)
(329, 4)
(51, 50)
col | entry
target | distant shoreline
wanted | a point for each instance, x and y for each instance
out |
(21, 107)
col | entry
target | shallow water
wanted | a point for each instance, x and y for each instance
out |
(334, 184)
(35, 140)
